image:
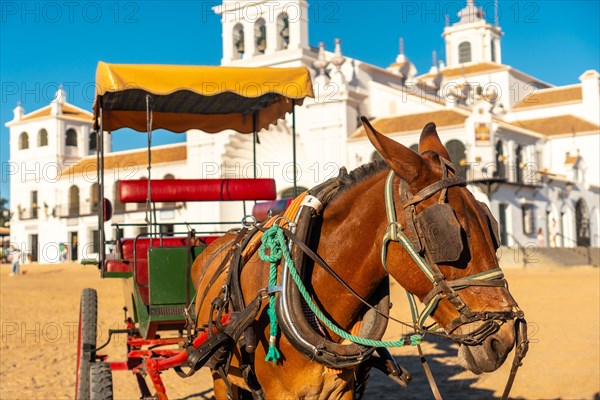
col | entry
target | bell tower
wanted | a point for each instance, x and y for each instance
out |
(472, 39)
(255, 30)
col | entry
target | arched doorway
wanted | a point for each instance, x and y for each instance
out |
(458, 156)
(582, 223)
(73, 201)
(518, 164)
(94, 197)
(500, 167)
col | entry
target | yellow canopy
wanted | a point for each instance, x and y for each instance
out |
(184, 97)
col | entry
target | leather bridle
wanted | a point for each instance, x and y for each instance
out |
(444, 289)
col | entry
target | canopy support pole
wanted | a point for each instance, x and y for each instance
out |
(254, 140)
(149, 209)
(294, 146)
(100, 178)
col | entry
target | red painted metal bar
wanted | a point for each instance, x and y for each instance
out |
(138, 341)
(118, 365)
(155, 365)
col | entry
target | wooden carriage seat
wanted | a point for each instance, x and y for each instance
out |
(170, 190)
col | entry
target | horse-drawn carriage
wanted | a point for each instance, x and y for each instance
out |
(318, 273)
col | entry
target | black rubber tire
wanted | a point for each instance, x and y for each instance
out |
(86, 342)
(101, 385)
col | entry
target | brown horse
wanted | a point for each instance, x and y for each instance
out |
(353, 225)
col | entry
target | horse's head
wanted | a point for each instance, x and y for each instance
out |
(459, 281)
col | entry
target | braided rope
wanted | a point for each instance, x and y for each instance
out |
(274, 240)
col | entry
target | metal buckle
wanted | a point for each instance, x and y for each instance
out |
(286, 220)
(249, 221)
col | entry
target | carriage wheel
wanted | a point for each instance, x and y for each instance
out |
(86, 342)
(101, 385)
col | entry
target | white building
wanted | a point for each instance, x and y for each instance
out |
(528, 148)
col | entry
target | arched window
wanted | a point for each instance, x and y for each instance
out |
(94, 197)
(73, 201)
(464, 52)
(118, 207)
(93, 145)
(518, 164)
(169, 204)
(23, 141)
(415, 148)
(582, 223)
(458, 156)
(283, 31)
(71, 137)
(42, 139)
(493, 49)
(500, 167)
(238, 41)
(260, 33)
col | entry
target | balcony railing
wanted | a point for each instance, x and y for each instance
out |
(134, 207)
(87, 209)
(29, 213)
(73, 211)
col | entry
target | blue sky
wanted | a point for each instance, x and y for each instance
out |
(44, 44)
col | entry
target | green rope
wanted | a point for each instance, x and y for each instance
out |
(275, 241)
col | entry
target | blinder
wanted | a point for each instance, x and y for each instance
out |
(441, 233)
(492, 225)
(436, 229)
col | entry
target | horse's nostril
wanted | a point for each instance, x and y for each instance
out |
(495, 346)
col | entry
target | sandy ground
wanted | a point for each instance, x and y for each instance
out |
(39, 312)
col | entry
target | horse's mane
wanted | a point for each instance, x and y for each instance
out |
(359, 174)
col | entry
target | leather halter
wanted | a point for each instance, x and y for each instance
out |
(442, 288)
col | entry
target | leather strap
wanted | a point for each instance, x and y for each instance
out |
(520, 353)
(317, 258)
(235, 269)
(233, 245)
(434, 188)
(460, 284)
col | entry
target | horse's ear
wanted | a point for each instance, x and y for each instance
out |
(405, 162)
(431, 141)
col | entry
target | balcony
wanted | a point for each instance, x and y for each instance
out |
(76, 211)
(28, 213)
(121, 208)
(86, 209)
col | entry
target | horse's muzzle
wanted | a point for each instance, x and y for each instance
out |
(491, 353)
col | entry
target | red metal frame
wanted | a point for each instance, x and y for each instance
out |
(154, 361)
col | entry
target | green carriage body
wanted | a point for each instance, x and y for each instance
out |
(167, 293)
